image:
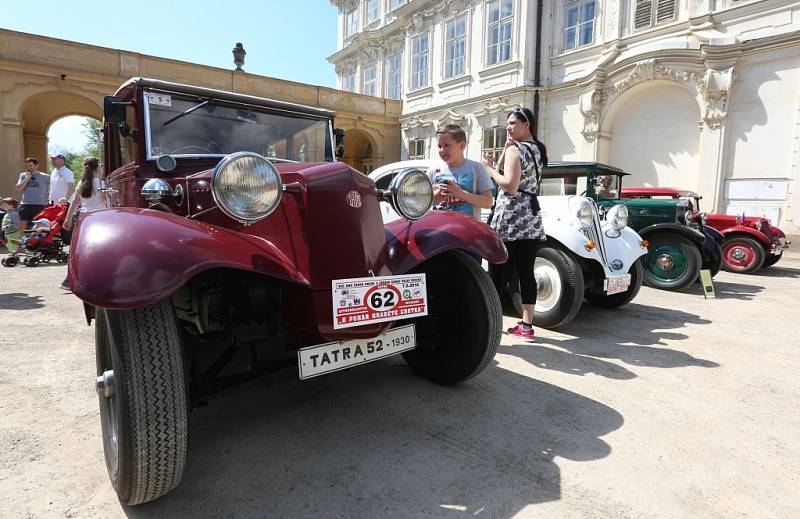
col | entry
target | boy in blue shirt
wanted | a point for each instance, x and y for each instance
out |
(463, 185)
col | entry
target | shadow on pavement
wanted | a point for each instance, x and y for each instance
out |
(20, 301)
(725, 290)
(380, 442)
(777, 272)
(597, 333)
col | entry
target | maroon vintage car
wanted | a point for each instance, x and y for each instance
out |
(751, 242)
(236, 245)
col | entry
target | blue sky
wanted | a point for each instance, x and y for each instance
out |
(287, 39)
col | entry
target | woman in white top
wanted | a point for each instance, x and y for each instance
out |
(88, 196)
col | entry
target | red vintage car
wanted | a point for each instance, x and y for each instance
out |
(751, 242)
(237, 245)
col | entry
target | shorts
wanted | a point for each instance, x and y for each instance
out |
(27, 212)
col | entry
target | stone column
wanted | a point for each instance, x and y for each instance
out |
(715, 150)
(12, 153)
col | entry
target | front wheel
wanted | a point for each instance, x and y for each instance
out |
(742, 255)
(672, 262)
(599, 298)
(143, 400)
(559, 288)
(460, 335)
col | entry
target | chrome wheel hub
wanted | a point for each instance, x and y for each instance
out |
(104, 384)
(548, 285)
(739, 254)
(666, 262)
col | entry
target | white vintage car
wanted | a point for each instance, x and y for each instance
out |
(587, 255)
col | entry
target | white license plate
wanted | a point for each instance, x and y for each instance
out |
(360, 301)
(334, 356)
(617, 284)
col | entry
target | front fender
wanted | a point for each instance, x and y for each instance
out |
(760, 237)
(697, 237)
(410, 243)
(123, 258)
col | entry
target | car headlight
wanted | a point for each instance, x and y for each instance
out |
(246, 186)
(584, 215)
(411, 194)
(618, 217)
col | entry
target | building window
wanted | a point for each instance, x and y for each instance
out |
(455, 46)
(578, 23)
(351, 22)
(394, 76)
(370, 80)
(416, 149)
(419, 61)
(394, 4)
(499, 31)
(652, 12)
(349, 81)
(373, 10)
(494, 140)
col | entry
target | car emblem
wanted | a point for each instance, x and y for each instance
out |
(354, 199)
(617, 264)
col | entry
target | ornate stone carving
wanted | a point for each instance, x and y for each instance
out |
(415, 122)
(451, 117)
(452, 7)
(495, 105)
(591, 107)
(649, 70)
(715, 87)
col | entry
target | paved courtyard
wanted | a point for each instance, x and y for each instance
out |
(674, 406)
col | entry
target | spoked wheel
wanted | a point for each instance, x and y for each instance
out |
(599, 298)
(143, 400)
(460, 335)
(31, 261)
(559, 288)
(742, 255)
(672, 262)
(11, 261)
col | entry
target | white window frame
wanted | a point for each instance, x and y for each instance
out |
(499, 137)
(578, 28)
(349, 81)
(418, 145)
(497, 53)
(463, 38)
(416, 85)
(351, 22)
(368, 12)
(394, 76)
(656, 15)
(369, 83)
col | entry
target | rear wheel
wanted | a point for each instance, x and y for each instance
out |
(742, 255)
(460, 335)
(10, 261)
(599, 298)
(672, 262)
(143, 400)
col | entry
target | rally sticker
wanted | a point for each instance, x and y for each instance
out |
(360, 301)
(159, 99)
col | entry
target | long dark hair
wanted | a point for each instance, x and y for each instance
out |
(526, 115)
(90, 170)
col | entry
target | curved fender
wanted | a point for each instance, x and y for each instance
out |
(410, 243)
(627, 247)
(123, 258)
(693, 234)
(759, 236)
(712, 249)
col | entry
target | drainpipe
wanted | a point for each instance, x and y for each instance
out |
(538, 65)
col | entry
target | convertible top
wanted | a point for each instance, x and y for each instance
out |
(574, 167)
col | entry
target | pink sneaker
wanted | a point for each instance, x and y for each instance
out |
(524, 333)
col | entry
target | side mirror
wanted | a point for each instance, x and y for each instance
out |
(338, 136)
(114, 109)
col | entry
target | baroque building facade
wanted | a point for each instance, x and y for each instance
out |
(696, 94)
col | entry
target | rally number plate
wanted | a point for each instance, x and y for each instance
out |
(360, 301)
(326, 358)
(617, 284)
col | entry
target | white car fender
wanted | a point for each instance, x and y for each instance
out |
(623, 250)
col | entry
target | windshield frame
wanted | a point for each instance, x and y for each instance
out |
(329, 144)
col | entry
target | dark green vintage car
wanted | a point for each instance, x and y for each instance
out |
(678, 246)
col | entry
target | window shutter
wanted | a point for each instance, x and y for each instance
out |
(665, 10)
(643, 14)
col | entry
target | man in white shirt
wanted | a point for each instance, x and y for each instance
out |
(62, 181)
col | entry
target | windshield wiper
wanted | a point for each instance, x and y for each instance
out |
(187, 111)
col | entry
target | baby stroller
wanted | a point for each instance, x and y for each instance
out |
(41, 246)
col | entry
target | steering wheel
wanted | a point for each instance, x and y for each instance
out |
(180, 139)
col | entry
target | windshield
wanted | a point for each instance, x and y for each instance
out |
(181, 125)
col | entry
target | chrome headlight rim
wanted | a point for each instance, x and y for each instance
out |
(686, 217)
(618, 217)
(220, 199)
(702, 218)
(584, 215)
(395, 192)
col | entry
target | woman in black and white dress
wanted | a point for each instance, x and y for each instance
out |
(516, 214)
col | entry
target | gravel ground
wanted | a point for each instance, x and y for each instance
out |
(674, 406)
